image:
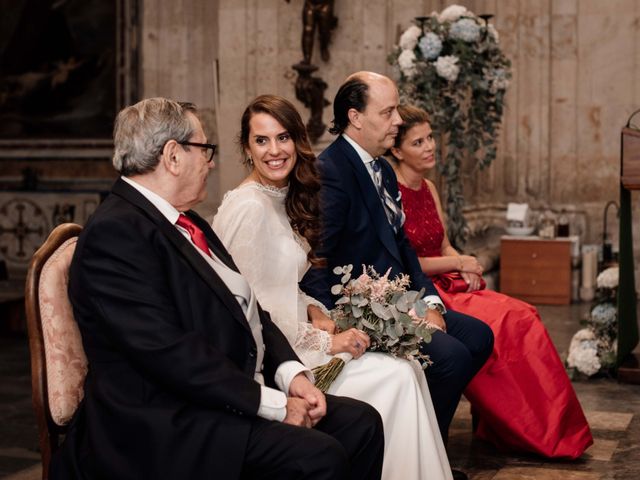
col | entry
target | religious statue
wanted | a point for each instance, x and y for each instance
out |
(316, 15)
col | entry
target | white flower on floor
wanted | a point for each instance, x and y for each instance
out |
(465, 29)
(409, 38)
(608, 278)
(583, 352)
(453, 13)
(447, 67)
(430, 45)
(407, 63)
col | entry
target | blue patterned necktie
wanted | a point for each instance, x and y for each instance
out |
(392, 208)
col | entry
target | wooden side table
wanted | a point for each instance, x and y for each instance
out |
(536, 270)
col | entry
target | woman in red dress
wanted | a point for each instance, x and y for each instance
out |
(522, 399)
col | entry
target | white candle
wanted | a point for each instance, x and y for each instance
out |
(589, 268)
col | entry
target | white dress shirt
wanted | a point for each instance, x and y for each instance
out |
(272, 402)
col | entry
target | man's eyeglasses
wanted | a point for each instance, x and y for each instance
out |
(208, 149)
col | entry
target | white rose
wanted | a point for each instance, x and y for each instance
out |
(453, 13)
(407, 63)
(409, 38)
(608, 278)
(447, 67)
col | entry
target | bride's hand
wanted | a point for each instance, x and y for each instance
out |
(352, 341)
(319, 320)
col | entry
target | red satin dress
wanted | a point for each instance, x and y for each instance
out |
(522, 398)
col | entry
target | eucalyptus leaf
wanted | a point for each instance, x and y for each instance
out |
(380, 311)
(356, 299)
(336, 289)
(343, 300)
(345, 278)
(391, 331)
(338, 270)
(398, 329)
(420, 308)
(356, 310)
(405, 319)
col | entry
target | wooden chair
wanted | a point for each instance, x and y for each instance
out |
(58, 361)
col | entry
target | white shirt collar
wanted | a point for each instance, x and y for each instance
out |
(160, 203)
(362, 153)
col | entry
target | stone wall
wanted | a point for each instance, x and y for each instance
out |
(573, 88)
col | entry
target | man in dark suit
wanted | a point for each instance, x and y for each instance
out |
(188, 377)
(362, 225)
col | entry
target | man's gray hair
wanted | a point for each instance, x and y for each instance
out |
(141, 131)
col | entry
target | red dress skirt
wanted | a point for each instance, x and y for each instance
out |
(522, 398)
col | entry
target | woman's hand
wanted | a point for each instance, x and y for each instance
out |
(473, 280)
(320, 320)
(469, 264)
(352, 341)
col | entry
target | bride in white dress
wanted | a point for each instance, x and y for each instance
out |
(254, 222)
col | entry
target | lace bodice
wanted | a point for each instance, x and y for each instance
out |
(422, 225)
(253, 225)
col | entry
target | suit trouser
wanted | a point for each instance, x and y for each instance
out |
(348, 443)
(457, 356)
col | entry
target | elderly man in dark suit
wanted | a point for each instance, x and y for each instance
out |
(362, 225)
(188, 377)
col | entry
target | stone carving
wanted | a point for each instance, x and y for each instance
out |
(24, 225)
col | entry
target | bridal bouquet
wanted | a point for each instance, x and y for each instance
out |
(390, 314)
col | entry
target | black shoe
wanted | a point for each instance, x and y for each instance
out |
(459, 475)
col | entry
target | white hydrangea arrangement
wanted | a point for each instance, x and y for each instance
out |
(593, 349)
(451, 65)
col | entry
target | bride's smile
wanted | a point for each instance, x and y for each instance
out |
(271, 150)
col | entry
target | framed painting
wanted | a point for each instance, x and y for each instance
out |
(66, 68)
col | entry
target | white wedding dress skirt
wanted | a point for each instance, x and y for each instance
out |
(398, 390)
(253, 225)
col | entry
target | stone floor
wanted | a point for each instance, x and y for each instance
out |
(613, 410)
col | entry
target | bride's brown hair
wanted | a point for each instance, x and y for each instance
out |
(302, 203)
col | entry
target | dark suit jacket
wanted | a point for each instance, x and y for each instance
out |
(170, 388)
(355, 229)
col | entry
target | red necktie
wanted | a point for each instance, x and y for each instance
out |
(197, 237)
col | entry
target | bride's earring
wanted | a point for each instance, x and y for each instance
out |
(249, 161)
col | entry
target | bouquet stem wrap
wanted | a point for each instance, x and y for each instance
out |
(326, 374)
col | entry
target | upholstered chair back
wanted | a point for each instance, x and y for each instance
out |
(58, 361)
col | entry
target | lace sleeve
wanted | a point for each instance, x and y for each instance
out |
(306, 300)
(311, 338)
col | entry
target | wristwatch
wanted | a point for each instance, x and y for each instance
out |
(436, 306)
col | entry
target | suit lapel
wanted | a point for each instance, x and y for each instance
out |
(371, 199)
(199, 264)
